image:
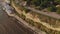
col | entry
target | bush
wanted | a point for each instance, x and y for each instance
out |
(23, 16)
(52, 8)
(58, 11)
(49, 8)
(31, 22)
(26, 10)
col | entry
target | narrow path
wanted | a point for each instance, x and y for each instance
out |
(51, 14)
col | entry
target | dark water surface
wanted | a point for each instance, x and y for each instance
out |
(9, 25)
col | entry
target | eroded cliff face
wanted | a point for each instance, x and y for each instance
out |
(40, 21)
(43, 18)
(52, 21)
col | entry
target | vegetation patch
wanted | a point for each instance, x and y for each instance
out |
(43, 18)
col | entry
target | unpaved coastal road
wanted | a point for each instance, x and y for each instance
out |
(9, 25)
